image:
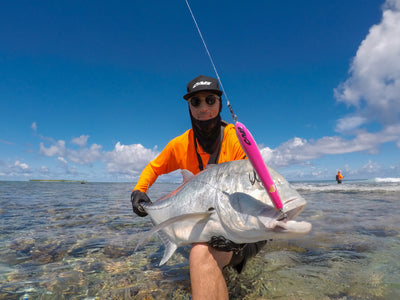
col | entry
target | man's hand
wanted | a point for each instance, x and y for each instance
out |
(137, 198)
(222, 244)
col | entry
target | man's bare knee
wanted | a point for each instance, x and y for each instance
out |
(208, 254)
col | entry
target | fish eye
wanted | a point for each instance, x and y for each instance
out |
(211, 209)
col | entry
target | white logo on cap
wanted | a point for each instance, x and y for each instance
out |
(201, 83)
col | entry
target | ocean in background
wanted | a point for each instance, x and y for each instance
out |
(75, 241)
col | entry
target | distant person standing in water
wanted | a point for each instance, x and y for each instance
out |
(339, 177)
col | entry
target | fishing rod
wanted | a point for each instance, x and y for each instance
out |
(246, 140)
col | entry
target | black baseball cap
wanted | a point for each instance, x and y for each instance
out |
(202, 83)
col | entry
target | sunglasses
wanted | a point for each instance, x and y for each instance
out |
(210, 100)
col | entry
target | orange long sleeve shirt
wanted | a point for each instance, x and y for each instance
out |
(180, 153)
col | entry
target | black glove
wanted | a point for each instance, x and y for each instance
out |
(222, 244)
(137, 198)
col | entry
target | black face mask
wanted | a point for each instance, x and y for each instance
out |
(207, 133)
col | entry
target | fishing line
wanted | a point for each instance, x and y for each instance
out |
(246, 140)
(212, 62)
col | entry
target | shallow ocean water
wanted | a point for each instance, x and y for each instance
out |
(76, 241)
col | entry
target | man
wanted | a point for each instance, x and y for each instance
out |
(209, 141)
(339, 177)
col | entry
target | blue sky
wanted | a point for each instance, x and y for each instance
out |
(93, 89)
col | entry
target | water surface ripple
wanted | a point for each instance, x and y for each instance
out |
(76, 241)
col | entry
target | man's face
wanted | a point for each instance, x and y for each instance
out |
(204, 105)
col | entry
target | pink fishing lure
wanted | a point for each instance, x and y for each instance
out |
(253, 154)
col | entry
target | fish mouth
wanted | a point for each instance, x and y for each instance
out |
(289, 211)
(282, 221)
(291, 214)
(292, 208)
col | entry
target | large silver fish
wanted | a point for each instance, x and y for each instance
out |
(225, 200)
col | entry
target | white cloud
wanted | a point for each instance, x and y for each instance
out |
(62, 160)
(128, 159)
(373, 89)
(22, 166)
(80, 141)
(297, 150)
(374, 83)
(124, 160)
(57, 149)
(34, 127)
(83, 155)
(370, 168)
(16, 169)
(349, 124)
(266, 153)
(44, 169)
(392, 4)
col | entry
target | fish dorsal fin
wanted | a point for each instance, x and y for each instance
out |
(187, 175)
(209, 166)
(169, 246)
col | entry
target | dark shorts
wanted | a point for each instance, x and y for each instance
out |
(240, 258)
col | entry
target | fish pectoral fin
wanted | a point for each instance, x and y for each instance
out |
(166, 223)
(196, 216)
